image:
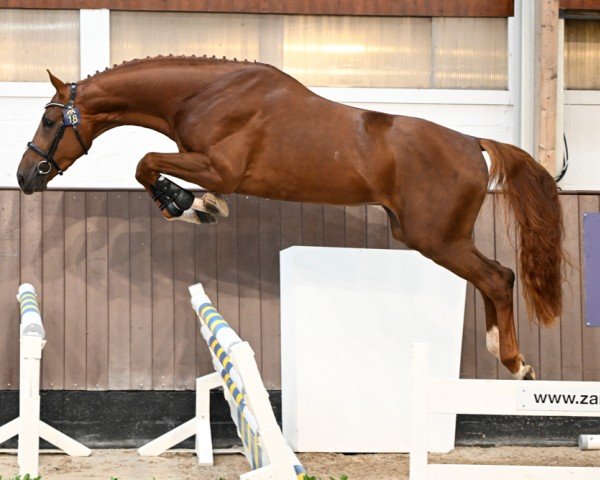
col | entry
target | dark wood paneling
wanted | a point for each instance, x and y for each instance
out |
(228, 297)
(570, 320)
(291, 224)
(312, 225)
(334, 220)
(140, 271)
(163, 314)
(184, 275)
(10, 252)
(119, 308)
(205, 248)
(31, 239)
(428, 8)
(75, 291)
(53, 293)
(97, 290)
(270, 246)
(249, 272)
(377, 227)
(356, 226)
(580, 4)
(113, 277)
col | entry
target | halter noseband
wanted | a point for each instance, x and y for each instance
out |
(71, 118)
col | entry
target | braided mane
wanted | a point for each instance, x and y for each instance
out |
(169, 58)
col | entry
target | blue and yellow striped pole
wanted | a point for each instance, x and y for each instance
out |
(220, 338)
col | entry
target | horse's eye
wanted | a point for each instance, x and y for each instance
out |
(48, 122)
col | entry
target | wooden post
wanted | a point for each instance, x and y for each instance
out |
(546, 83)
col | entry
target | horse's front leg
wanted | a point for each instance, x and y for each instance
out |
(175, 202)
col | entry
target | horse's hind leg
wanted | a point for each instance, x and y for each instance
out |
(495, 282)
(174, 201)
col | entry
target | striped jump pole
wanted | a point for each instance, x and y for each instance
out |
(28, 426)
(264, 446)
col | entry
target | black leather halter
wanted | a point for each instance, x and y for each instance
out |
(71, 118)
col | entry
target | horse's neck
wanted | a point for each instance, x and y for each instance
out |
(141, 98)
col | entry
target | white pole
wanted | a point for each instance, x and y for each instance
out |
(29, 405)
(419, 411)
(279, 453)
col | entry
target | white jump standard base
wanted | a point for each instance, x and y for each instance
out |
(199, 426)
(28, 426)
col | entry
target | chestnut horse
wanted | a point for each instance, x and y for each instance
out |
(251, 129)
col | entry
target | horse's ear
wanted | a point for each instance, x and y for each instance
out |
(57, 82)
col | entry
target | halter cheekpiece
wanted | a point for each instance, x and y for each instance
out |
(71, 118)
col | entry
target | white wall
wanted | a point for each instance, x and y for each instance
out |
(582, 130)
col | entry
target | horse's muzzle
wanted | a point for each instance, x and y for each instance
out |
(30, 182)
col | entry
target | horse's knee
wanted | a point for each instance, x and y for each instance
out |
(142, 170)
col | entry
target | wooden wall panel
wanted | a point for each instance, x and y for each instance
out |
(53, 293)
(140, 271)
(10, 253)
(31, 238)
(119, 351)
(356, 227)
(184, 275)
(270, 246)
(453, 8)
(580, 4)
(113, 275)
(97, 290)
(75, 291)
(248, 239)
(228, 296)
(163, 314)
(291, 224)
(570, 320)
(205, 248)
(334, 220)
(313, 232)
(377, 227)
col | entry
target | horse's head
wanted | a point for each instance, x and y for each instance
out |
(60, 139)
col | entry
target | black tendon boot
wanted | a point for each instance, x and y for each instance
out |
(173, 198)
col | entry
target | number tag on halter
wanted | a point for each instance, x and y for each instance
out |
(71, 116)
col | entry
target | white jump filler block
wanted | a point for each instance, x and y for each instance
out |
(28, 426)
(348, 319)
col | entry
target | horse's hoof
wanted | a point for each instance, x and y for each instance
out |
(526, 372)
(205, 217)
(529, 373)
(215, 204)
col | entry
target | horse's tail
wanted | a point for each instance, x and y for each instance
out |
(532, 195)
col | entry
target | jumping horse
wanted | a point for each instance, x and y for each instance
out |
(251, 129)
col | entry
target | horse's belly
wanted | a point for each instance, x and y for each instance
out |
(309, 185)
